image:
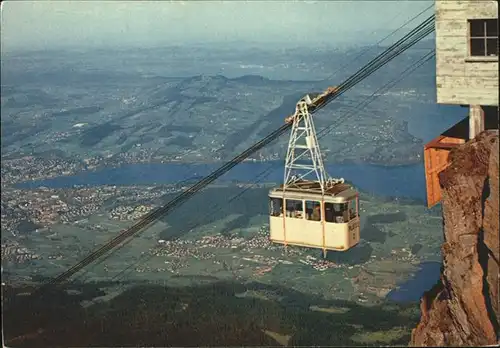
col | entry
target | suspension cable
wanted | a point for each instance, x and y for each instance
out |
(266, 172)
(390, 53)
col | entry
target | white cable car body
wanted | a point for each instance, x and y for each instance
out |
(317, 212)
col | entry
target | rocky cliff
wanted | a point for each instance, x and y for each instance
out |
(463, 307)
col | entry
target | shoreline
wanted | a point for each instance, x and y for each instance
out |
(201, 163)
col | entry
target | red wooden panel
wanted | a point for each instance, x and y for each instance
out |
(436, 154)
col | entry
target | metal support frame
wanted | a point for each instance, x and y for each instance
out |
(303, 147)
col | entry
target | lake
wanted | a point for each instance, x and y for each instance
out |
(403, 181)
(413, 289)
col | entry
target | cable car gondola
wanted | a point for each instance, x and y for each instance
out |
(321, 213)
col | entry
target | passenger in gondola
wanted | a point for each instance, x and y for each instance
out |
(329, 216)
(298, 211)
(316, 215)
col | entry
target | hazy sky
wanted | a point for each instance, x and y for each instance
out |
(57, 24)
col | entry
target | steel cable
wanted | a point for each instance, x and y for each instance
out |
(266, 172)
(393, 51)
